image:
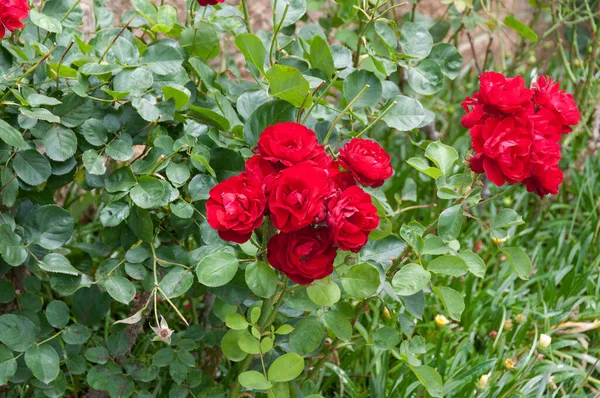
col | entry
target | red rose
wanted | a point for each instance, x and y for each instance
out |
(497, 96)
(340, 179)
(261, 173)
(504, 148)
(12, 12)
(352, 216)
(560, 107)
(368, 162)
(545, 180)
(205, 3)
(298, 196)
(235, 208)
(287, 144)
(303, 256)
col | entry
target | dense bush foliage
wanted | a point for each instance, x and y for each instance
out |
(314, 218)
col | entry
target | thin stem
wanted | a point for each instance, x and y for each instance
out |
(276, 31)
(378, 118)
(346, 109)
(60, 63)
(48, 339)
(246, 15)
(316, 102)
(34, 67)
(116, 37)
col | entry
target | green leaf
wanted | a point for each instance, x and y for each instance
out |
(57, 263)
(45, 21)
(448, 58)
(254, 380)
(288, 84)
(430, 378)
(114, 213)
(386, 338)
(339, 324)
(121, 149)
(286, 368)
(320, 56)
(182, 209)
(11, 246)
(519, 260)
(307, 336)
(201, 40)
(94, 163)
(236, 321)
(180, 94)
(405, 115)
(94, 132)
(60, 143)
(386, 34)
(253, 49)
(120, 289)
(120, 180)
(97, 355)
(176, 282)
(249, 344)
(95, 69)
(361, 281)
(57, 314)
(261, 279)
(410, 279)
(50, 227)
(295, 11)
(148, 193)
(450, 222)
(162, 59)
(165, 19)
(36, 100)
(76, 334)
(474, 262)
(426, 78)
(442, 155)
(178, 173)
(424, 167)
(266, 115)
(324, 292)
(32, 167)
(141, 224)
(507, 218)
(448, 265)
(40, 114)
(16, 332)
(415, 40)
(356, 82)
(43, 362)
(209, 117)
(12, 136)
(8, 365)
(453, 301)
(230, 347)
(521, 28)
(217, 269)
(7, 291)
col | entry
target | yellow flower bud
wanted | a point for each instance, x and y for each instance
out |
(508, 324)
(544, 341)
(482, 383)
(500, 240)
(520, 318)
(441, 320)
(510, 363)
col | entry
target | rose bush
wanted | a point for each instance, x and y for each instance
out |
(182, 217)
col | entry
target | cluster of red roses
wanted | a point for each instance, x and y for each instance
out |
(12, 12)
(516, 130)
(205, 3)
(316, 206)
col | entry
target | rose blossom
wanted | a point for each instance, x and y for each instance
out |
(235, 208)
(12, 12)
(286, 144)
(352, 216)
(205, 3)
(260, 172)
(556, 104)
(497, 96)
(298, 196)
(368, 162)
(303, 256)
(504, 148)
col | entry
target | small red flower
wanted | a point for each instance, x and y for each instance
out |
(205, 3)
(351, 217)
(558, 103)
(368, 162)
(287, 144)
(303, 256)
(235, 208)
(12, 12)
(298, 196)
(497, 96)
(261, 173)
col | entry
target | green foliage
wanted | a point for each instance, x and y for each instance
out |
(112, 280)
